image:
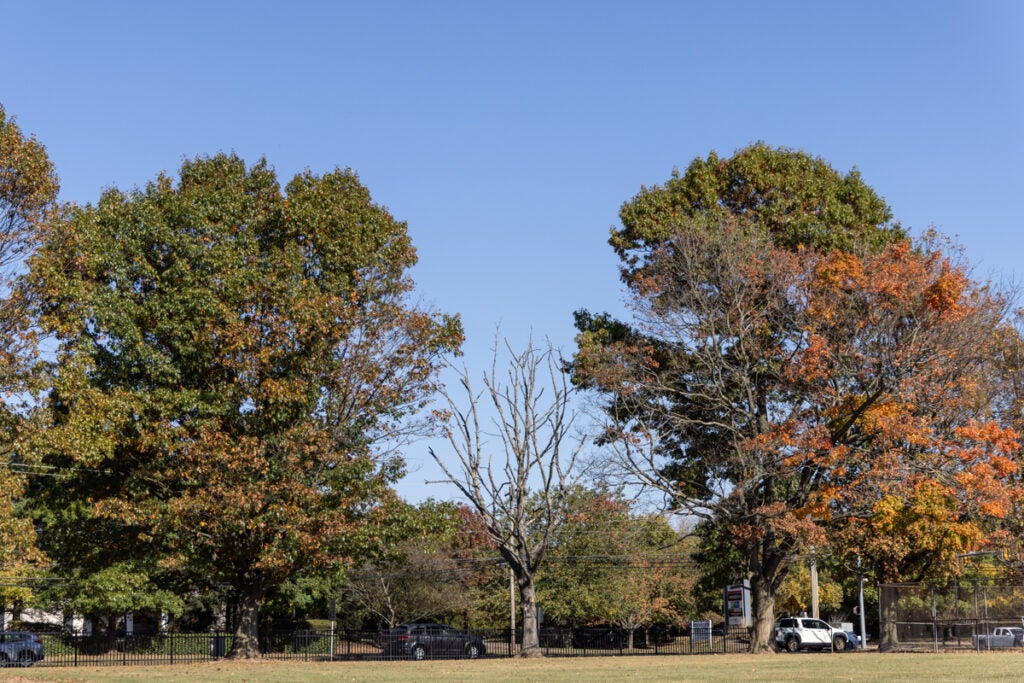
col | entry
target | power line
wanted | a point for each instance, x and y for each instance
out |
(56, 471)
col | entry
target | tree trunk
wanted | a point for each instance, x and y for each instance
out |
(531, 628)
(246, 644)
(762, 600)
(889, 639)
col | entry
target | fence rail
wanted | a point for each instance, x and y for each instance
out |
(64, 649)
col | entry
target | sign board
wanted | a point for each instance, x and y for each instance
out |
(700, 631)
(737, 605)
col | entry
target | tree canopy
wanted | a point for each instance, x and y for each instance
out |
(799, 200)
(793, 360)
(234, 364)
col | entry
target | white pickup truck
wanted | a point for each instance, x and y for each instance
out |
(1002, 636)
(803, 633)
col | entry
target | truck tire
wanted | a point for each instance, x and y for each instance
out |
(792, 644)
(838, 644)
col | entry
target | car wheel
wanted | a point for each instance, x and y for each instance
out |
(419, 652)
(792, 644)
(838, 644)
(26, 658)
(472, 650)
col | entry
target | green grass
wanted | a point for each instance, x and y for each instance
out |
(810, 667)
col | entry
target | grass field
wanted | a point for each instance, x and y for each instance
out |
(812, 668)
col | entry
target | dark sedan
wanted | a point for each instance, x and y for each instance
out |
(431, 641)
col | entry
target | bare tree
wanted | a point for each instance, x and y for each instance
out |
(522, 490)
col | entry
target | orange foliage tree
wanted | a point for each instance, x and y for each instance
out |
(786, 393)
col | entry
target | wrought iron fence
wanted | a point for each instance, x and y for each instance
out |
(66, 649)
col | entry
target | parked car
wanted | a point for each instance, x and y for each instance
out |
(431, 641)
(599, 637)
(20, 648)
(1002, 636)
(802, 633)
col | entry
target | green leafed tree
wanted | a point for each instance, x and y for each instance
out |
(417, 575)
(798, 199)
(613, 566)
(235, 364)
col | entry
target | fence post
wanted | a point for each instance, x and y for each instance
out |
(881, 624)
(935, 625)
(956, 610)
(977, 622)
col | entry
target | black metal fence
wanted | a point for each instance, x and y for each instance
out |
(70, 649)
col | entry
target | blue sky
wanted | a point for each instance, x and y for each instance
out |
(508, 134)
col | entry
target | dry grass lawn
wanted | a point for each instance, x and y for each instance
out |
(810, 667)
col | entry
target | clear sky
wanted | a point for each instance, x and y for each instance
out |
(508, 134)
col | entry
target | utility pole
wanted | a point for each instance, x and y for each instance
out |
(814, 585)
(512, 611)
(860, 605)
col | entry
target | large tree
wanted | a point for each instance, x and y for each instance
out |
(233, 365)
(28, 191)
(781, 323)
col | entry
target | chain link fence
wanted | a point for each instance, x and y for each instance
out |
(960, 616)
